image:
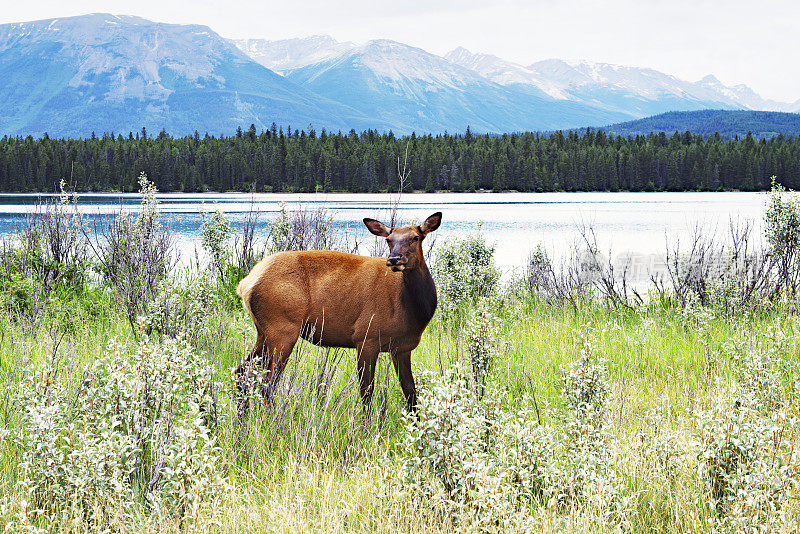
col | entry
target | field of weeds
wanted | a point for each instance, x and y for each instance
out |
(561, 401)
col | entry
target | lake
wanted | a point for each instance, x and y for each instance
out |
(628, 223)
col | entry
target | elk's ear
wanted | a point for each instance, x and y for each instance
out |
(431, 223)
(377, 228)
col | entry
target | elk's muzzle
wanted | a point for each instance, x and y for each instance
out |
(395, 263)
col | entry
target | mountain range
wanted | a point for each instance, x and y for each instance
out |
(102, 73)
(73, 76)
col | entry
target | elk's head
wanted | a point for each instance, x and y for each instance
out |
(405, 242)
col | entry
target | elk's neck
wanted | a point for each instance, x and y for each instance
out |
(418, 294)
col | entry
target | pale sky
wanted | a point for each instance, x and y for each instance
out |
(755, 42)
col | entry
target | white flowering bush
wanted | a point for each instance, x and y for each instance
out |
(491, 468)
(590, 474)
(465, 272)
(180, 311)
(482, 337)
(694, 315)
(190, 477)
(782, 231)
(747, 462)
(215, 232)
(761, 364)
(760, 370)
(585, 395)
(747, 459)
(658, 442)
(464, 456)
(133, 436)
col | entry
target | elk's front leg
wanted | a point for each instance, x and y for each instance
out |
(402, 364)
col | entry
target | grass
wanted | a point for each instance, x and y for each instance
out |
(294, 467)
(587, 414)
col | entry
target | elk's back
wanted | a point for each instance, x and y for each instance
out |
(344, 297)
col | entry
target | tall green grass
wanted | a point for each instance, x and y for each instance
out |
(552, 406)
(305, 464)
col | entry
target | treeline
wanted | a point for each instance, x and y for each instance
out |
(295, 160)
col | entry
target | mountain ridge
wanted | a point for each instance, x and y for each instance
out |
(555, 77)
(423, 92)
(100, 72)
(74, 75)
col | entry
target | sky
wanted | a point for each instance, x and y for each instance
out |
(755, 42)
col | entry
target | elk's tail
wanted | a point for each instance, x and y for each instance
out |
(250, 283)
(245, 291)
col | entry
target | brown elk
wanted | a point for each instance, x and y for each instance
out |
(334, 299)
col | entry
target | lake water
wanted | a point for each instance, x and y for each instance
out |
(626, 223)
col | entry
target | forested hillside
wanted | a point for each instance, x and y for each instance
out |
(729, 123)
(292, 160)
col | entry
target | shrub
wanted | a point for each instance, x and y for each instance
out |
(463, 456)
(746, 457)
(570, 281)
(588, 475)
(302, 229)
(215, 233)
(746, 274)
(782, 231)
(135, 429)
(136, 255)
(63, 229)
(247, 250)
(760, 370)
(465, 272)
(180, 311)
(482, 335)
(489, 468)
(747, 462)
(586, 389)
(761, 361)
(48, 256)
(540, 272)
(18, 291)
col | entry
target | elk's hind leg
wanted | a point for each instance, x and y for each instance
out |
(278, 321)
(367, 359)
(269, 355)
(280, 342)
(242, 372)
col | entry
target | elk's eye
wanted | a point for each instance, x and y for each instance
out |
(416, 238)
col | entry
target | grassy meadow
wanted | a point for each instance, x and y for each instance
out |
(546, 403)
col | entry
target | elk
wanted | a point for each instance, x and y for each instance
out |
(335, 299)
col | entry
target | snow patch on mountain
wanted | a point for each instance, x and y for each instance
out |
(286, 55)
(504, 72)
(646, 83)
(743, 95)
(619, 88)
(397, 62)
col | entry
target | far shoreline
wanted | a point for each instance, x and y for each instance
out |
(393, 193)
